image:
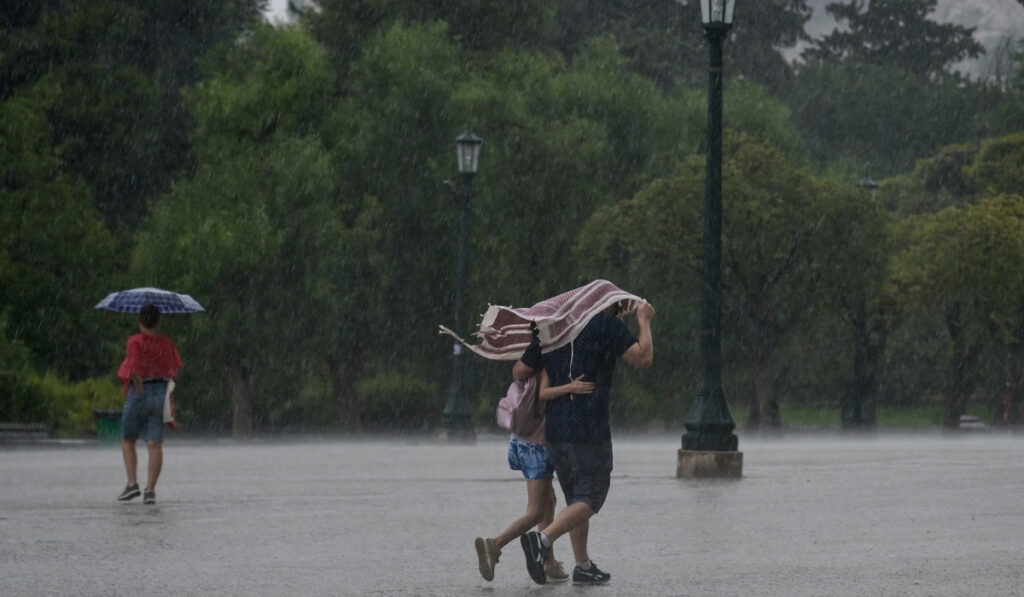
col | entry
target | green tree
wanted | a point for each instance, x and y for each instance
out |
(1010, 114)
(961, 265)
(958, 174)
(936, 182)
(894, 32)
(862, 301)
(664, 40)
(881, 116)
(262, 233)
(567, 139)
(786, 237)
(55, 257)
(762, 29)
(574, 138)
(391, 138)
(997, 167)
(880, 90)
(559, 140)
(344, 26)
(119, 67)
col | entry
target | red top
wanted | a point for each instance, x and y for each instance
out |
(149, 356)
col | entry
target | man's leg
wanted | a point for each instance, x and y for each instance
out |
(156, 462)
(569, 518)
(131, 459)
(578, 536)
(591, 476)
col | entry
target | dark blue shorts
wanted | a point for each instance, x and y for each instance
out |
(584, 471)
(143, 414)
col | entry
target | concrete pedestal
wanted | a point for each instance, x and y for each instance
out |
(696, 464)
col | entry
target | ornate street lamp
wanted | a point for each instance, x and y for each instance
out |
(867, 184)
(457, 419)
(709, 444)
(467, 150)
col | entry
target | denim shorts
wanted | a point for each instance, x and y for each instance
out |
(143, 414)
(532, 459)
(584, 471)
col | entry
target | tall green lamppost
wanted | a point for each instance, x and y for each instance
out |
(457, 419)
(709, 444)
(855, 412)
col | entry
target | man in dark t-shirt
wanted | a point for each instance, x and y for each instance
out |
(578, 433)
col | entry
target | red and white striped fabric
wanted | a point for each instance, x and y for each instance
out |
(505, 331)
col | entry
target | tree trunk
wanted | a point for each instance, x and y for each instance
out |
(753, 414)
(854, 410)
(241, 403)
(345, 396)
(1013, 407)
(958, 384)
(765, 387)
(875, 356)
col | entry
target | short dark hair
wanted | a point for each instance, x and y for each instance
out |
(149, 315)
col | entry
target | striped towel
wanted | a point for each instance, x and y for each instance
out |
(505, 331)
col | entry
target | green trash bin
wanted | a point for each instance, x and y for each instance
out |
(108, 425)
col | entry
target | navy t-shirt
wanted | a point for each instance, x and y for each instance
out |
(583, 418)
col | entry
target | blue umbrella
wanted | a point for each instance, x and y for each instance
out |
(132, 301)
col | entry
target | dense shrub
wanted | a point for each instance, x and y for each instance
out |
(399, 401)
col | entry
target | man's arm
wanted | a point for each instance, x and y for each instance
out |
(641, 354)
(532, 355)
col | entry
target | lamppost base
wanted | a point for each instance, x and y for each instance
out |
(704, 464)
(464, 435)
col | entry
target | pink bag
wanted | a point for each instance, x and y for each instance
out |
(519, 410)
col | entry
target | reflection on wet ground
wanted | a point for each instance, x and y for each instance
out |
(926, 515)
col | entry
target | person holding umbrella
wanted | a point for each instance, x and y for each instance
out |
(148, 372)
(151, 362)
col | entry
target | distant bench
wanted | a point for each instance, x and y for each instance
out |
(22, 431)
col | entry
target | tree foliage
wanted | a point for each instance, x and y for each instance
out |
(949, 256)
(55, 253)
(894, 32)
(260, 233)
(117, 120)
(786, 235)
(881, 116)
(292, 179)
(664, 40)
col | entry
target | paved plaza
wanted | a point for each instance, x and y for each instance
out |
(927, 515)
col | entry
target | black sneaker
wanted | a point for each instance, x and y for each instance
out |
(536, 553)
(590, 576)
(149, 498)
(130, 492)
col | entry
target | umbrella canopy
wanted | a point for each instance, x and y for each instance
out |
(132, 301)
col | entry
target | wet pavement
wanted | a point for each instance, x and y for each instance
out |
(925, 515)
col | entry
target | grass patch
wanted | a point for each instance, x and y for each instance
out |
(796, 415)
(923, 416)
